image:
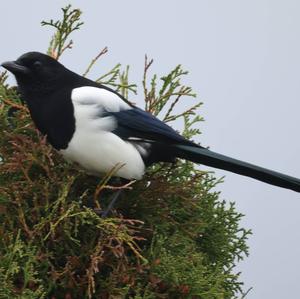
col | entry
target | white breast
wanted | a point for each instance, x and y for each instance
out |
(93, 145)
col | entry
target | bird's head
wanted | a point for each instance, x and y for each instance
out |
(36, 72)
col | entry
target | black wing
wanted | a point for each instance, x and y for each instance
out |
(141, 125)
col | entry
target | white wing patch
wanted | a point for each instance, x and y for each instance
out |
(93, 145)
(106, 99)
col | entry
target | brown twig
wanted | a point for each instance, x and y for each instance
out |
(69, 45)
(103, 51)
(101, 186)
(148, 99)
(126, 186)
(12, 104)
(173, 104)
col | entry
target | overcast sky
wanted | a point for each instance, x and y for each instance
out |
(244, 63)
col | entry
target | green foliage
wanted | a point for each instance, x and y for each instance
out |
(115, 78)
(170, 236)
(69, 23)
(17, 270)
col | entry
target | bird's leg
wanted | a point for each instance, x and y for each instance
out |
(126, 185)
(111, 203)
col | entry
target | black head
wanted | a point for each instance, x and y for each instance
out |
(36, 72)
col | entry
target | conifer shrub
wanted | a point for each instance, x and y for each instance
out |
(169, 236)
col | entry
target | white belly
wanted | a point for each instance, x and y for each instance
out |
(98, 152)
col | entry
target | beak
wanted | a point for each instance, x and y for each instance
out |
(15, 68)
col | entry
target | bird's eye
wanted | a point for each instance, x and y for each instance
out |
(37, 64)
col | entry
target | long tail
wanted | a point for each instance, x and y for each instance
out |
(204, 156)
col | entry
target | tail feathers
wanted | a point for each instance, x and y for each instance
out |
(204, 156)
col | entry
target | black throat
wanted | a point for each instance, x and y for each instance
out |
(53, 115)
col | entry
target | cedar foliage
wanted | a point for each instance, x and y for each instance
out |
(169, 236)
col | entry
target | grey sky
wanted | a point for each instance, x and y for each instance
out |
(244, 63)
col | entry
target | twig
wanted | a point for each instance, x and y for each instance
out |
(104, 181)
(69, 45)
(126, 186)
(103, 51)
(146, 68)
(12, 104)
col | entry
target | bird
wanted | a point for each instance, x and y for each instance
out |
(96, 127)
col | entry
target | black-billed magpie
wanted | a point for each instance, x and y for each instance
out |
(96, 127)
